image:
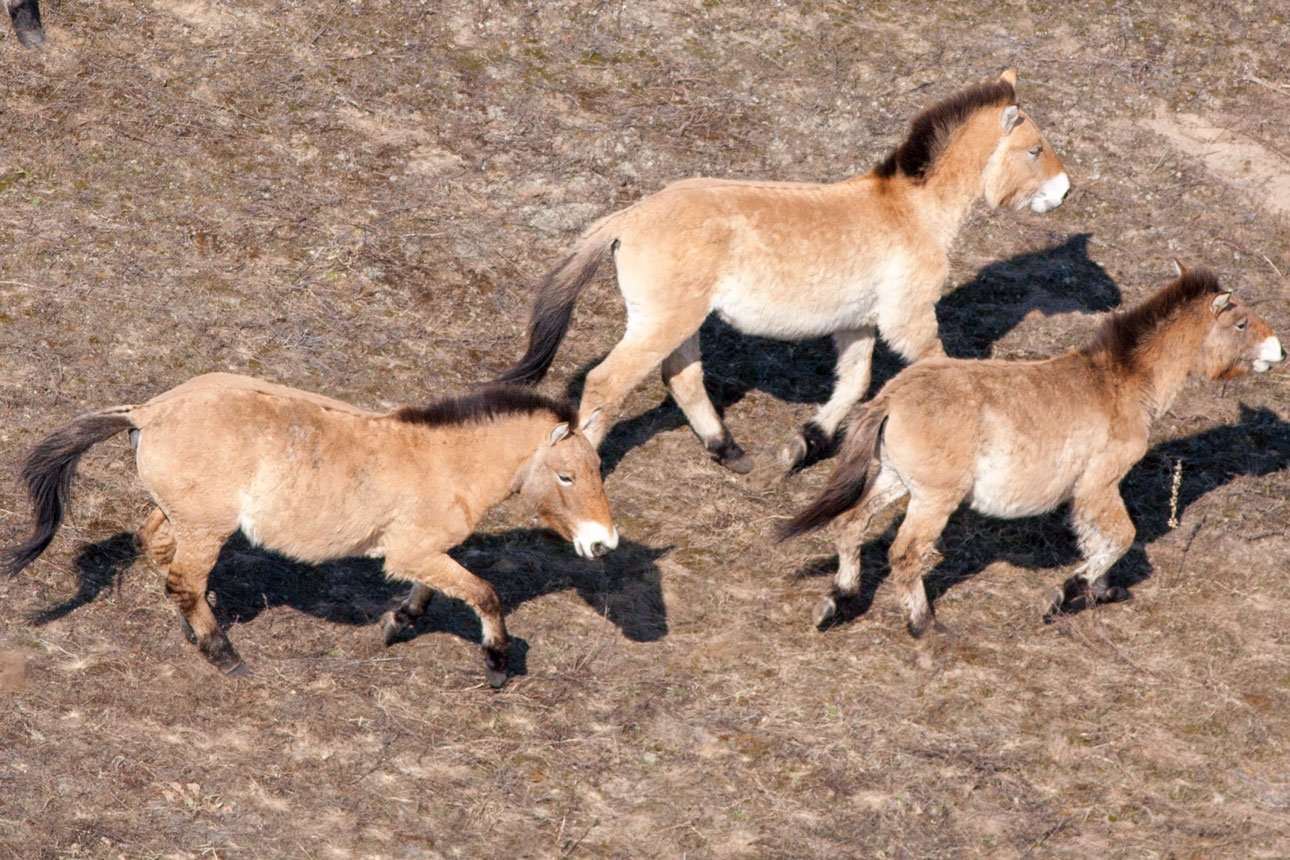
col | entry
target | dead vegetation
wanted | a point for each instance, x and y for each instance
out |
(354, 198)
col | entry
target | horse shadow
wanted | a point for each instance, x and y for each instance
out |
(625, 587)
(1257, 445)
(1061, 278)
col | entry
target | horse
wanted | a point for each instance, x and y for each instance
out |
(317, 479)
(1018, 438)
(25, 15)
(852, 259)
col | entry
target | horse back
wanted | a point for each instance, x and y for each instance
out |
(302, 474)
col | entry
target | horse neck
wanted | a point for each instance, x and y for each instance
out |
(954, 183)
(489, 457)
(1164, 361)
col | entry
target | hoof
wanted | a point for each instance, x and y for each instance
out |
(1115, 594)
(920, 627)
(26, 23)
(826, 612)
(727, 452)
(393, 627)
(791, 453)
(187, 630)
(740, 464)
(31, 38)
(495, 664)
(221, 654)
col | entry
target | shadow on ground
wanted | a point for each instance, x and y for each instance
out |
(1257, 445)
(1061, 278)
(624, 587)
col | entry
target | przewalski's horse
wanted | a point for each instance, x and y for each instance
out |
(318, 479)
(25, 15)
(1018, 438)
(796, 260)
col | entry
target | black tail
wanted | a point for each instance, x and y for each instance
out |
(48, 472)
(553, 309)
(849, 481)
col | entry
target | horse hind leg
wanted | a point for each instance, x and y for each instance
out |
(885, 489)
(645, 344)
(854, 370)
(192, 558)
(913, 555)
(156, 539)
(683, 375)
(1105, 533)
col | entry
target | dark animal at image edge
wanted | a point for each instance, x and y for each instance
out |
(785, 260)
(1018, 438)
(25, 15)
(317, 479)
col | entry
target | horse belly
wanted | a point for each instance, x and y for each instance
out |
(763, 303)
(310, 522)
(1008, 488)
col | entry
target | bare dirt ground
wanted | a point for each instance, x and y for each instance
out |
(355, 198)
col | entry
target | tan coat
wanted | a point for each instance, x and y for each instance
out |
(317, 479)
(787, 260)
(1018, 438)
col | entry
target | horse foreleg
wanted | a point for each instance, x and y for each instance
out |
(913, 555)
(854, 370)
(1105, 533)
(683, 376)
(909, 327)
(886, 488)
(192, 557)
(439, 572)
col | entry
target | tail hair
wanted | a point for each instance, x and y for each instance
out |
(553, 309)
(47, 473)
(849, 481)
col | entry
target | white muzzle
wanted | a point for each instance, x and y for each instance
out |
(1270, 353)
(1051, 194)
(592, 540)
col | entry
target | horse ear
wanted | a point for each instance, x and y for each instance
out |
(1010, 118)
(1009, 76)
(591, 418)
(1179, 268)
(1220, 301)
(561, 430)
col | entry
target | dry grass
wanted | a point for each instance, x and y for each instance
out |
(354, 197)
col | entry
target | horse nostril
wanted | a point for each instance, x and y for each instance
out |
(598, 549)
(1066, 193)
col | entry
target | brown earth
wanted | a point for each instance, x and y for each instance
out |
(356, 197)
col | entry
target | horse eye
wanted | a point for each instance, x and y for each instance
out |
(1240, 326)
(1035, 151)
(564, 479)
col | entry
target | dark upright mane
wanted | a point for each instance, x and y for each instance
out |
(1122, 334)
(493, 402)
(930, 131)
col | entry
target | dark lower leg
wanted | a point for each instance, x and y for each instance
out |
(25, 15)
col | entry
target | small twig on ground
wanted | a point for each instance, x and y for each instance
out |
(1275, 88)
